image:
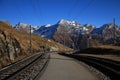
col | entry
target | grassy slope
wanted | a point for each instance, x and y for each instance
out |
(23, 39)
(102, 50)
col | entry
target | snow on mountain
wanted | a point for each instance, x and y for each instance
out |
(20, 25)
(62, 26)
(25, 27)
(68, 32)
(46, 30)
(70, 23)
(100, 29)
(108, 33)
(73, 26)
(104, 28)
(48, 25)
(71, 33)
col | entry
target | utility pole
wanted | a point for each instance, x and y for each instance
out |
(45, 44)
(73, 42)
(77, 46)
(45, 41)
(30, 40)
(64, 39)
(88, 41)
(114, 31)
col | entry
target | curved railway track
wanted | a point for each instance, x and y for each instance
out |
(109, 67)
(27, 69)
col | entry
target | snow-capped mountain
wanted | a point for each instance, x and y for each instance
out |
(73, 34)
(46, 30)
(25, 27)
(107, 29)
(108, 33)
(100, 29)
(64, 31)
(64, 26)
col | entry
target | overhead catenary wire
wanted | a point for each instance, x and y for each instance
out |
(19, 11)
(40, 10)
(79, 13)
(36, 10)
(83, 9)
(72, 8)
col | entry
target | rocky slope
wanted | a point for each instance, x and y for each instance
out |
(24, 27)
(65, 32)
(107, 34)
(9, 46)
(79, 36)
(14, 44)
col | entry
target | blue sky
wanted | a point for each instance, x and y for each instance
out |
(40, 12)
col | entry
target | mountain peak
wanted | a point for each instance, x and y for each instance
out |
(65, 21)
(48, 25)
(62, 21)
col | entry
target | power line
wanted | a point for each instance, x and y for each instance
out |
(84, 8)
(30, 40)
(20, 15)
(37, 8)
(34, 6)
(72, 8)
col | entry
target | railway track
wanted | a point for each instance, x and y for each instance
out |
(108, 67)
(27, 69)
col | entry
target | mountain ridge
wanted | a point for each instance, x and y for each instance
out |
(15, 44)
(70, 33)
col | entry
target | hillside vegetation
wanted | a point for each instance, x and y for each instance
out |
(15, 45)
(101, 50)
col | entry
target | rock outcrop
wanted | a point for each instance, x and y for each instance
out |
(9, 46)
(15, 44)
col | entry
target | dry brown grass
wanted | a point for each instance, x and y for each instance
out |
(108, 47)
(24, 40)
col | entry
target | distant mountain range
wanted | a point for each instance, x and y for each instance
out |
(73, 34)
(24, 27)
